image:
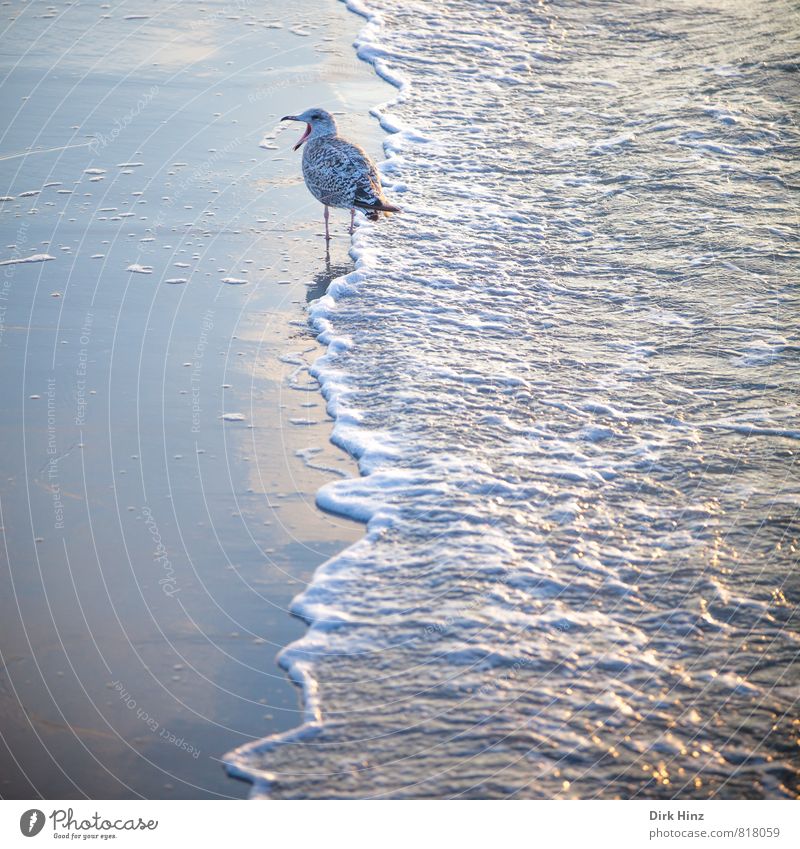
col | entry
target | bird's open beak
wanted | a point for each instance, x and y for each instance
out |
(305, 135)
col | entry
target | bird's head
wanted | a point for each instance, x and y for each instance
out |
(318, 123)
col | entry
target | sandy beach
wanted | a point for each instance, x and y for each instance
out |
(163, 439)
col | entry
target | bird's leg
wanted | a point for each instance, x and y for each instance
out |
(352, 220)
(327, 232)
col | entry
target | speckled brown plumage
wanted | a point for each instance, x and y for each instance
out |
(340, 173)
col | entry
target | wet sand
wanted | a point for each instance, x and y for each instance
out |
(163, 441)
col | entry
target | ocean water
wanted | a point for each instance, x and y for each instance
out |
(569, 372)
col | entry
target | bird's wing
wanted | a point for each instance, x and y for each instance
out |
(355, 166)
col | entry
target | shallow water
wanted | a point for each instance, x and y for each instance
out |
(569, 372)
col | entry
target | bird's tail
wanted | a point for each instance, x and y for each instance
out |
(375, 210)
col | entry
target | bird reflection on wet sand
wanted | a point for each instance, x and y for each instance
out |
(323, 279)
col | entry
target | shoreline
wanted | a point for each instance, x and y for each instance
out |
(186, 475)
(241, 762)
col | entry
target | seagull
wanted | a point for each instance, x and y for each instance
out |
(337, 172)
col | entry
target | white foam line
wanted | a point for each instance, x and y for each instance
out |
(243, 762)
